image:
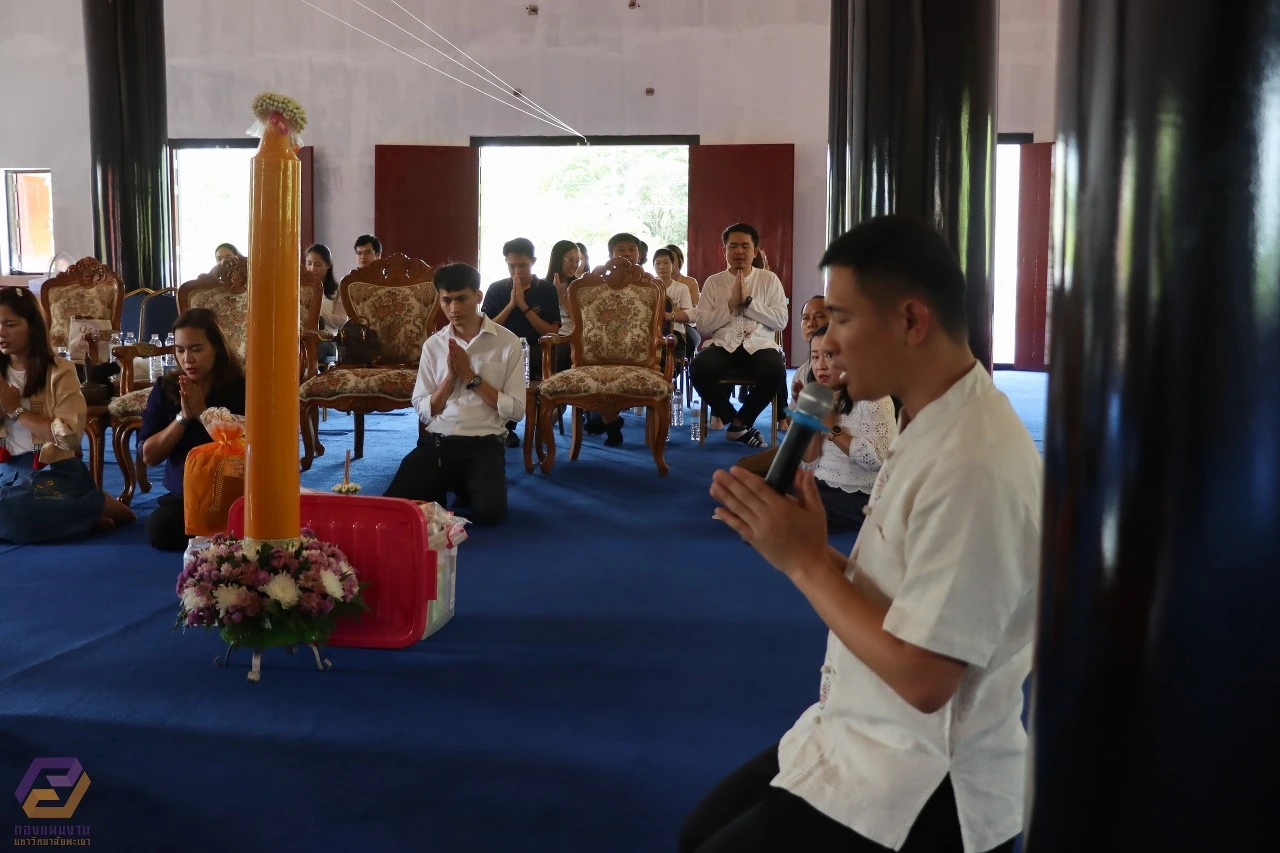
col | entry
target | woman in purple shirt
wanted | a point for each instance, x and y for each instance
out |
(208, 376)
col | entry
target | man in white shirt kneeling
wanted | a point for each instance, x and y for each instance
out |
(470, 383)
(915, 740)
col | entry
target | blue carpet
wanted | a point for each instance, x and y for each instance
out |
(615, 652)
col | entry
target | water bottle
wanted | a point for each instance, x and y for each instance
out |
(155, 364)
(677, 409)
(524, 346)
(170, 360)
(130, 339)
(695, 431)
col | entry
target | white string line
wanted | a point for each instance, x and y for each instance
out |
(429, 65)
(506, 87)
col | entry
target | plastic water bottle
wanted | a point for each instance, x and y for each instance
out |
(695, 431)
(155, 364)
(170, 360)
(130, 339)
(677, 409)
(524, 346)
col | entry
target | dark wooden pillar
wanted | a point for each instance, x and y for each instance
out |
(1155, 688)
(919, 127)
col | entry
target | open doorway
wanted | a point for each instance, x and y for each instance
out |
(584, 193)
(211, 199)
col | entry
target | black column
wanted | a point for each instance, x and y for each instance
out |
(920, 126)
(128, 139)
(1156, 688)
(838, 219)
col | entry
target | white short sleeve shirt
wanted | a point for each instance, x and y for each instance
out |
(952, 542)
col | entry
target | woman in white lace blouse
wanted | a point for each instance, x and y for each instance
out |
(846, 460)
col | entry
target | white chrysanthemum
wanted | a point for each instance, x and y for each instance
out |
(332, 584)
(227, 596)
(192, 599)
(283, 589)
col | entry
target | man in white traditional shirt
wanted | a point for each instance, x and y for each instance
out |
(470, 384)
(738, 313)
(916, 740)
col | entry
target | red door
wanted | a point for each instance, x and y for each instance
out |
(741, 183)
(1032, 313)
(426, 201)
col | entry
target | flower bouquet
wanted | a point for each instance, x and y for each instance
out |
(280, 112)
(268, 596)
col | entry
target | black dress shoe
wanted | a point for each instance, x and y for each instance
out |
(513, 440)
(594, 424)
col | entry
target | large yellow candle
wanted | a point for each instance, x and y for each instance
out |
(271, 407)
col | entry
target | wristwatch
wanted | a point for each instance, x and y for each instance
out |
(17, 413)
(180, 419)
(835, 430)
(474, 382)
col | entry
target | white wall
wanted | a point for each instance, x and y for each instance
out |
(730, 71)
(44, 109)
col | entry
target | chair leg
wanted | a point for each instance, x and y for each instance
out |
(544, 426)
(773, 424)
(530, 428)
(120, 442)
(97, 450)
(140, 466)
(316, 443)
(662, 415)
(358, 453)
(702, 422)
(576, 447)
(308, 437)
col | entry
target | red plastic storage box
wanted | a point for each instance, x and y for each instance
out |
(385, 539)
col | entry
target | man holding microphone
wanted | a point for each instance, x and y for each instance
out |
(915, 742)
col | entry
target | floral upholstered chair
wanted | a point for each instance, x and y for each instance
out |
(88, 289)
(618, 347)
(396, 299)
(224, 290)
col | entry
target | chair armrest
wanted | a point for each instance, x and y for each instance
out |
(548, 343)
(125, 357)
(308, 355)
(668, 363)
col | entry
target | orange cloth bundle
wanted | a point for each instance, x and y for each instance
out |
(214, 474)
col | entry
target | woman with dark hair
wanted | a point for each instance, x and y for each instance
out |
(562, 269)
(846, 459)
(664, 261)
(46, 492)
(333, 316)
(694, 339)
(225, 252)
(208, 376)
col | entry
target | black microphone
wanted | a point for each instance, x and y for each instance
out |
(812, 405)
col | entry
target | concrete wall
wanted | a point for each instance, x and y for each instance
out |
(731, 71)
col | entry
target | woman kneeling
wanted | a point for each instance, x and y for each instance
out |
(46, 492)
(208, 376)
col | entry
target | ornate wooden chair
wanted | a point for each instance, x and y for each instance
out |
(396, 299)
(223, 290)
(87, 289)
(618, 357)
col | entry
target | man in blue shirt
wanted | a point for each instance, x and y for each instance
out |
(525, 305)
